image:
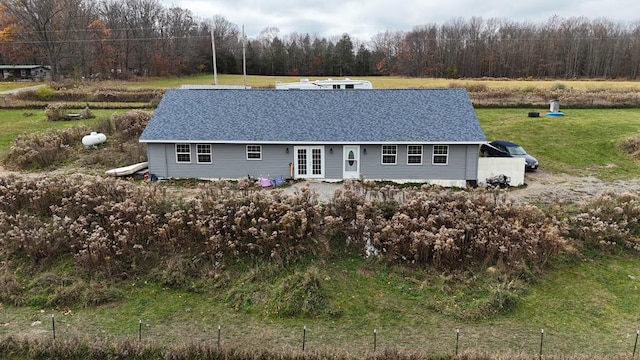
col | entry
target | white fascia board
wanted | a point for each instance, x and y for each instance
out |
(312, 142)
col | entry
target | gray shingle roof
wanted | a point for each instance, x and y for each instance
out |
(315, 116)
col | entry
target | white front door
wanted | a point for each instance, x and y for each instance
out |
(308, 162)
(351, 162)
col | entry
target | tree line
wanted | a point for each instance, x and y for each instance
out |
(124, 38)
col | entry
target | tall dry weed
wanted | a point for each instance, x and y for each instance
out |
(41, 150)
(117, 229)
(446, 229)
(609, 222)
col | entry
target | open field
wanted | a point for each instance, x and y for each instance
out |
(381, 82)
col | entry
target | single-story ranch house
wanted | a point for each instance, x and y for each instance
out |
(402, 135)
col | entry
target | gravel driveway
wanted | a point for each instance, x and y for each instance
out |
(542, 187)
(15, 91)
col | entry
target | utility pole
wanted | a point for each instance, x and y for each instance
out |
(244, 58)
(213, 48)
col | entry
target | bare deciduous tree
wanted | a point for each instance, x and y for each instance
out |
(46, 24)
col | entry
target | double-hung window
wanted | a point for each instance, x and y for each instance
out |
(440, 154)
(389, 154)
(414, 154)
(254, 152)
(183, 153)
(204, 153)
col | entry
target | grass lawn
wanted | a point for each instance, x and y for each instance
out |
(583, 142)
(584, 308)
(17, 122)
(594, 299)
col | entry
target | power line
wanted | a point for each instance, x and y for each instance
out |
(71, 41)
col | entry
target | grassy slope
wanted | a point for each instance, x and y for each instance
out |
(595, 314)
(584, 307)
(592, 302)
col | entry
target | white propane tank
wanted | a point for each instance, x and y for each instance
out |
(94, 139)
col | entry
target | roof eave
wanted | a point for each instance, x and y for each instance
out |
(373, 142)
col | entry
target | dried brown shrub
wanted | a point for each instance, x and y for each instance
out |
(55, 111)
(277, 228)
(79, 93)
(125, 95)
(117, 228)
(475, 88)
(40, 150)
(130, 124)
(609, 223)
(631, 146)
(449, 230)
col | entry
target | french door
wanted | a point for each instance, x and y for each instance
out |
(309, 162)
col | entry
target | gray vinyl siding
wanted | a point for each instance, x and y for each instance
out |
(333, 162)
(462, 164)
(471, 166)
(229, 162)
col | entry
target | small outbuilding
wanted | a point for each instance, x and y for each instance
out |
(25, 72)
(402, 135)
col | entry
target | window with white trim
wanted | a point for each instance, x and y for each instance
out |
(204, 153)
(254, 152)
(389, 154)
(414, 154)
(440, 154)
(183, 153)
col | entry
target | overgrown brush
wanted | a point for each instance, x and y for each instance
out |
(631, 146)
(539, 97)
(130, 124)
(608, 223)
(446, 229)
(41, 150)
(59, 92)
(114, 229)
(57, 112)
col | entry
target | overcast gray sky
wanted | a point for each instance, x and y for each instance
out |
(362, 19)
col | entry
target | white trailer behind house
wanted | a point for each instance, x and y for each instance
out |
(329, 84)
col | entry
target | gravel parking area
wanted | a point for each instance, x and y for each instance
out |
(541, 187)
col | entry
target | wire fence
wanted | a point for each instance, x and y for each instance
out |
(302, 341)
